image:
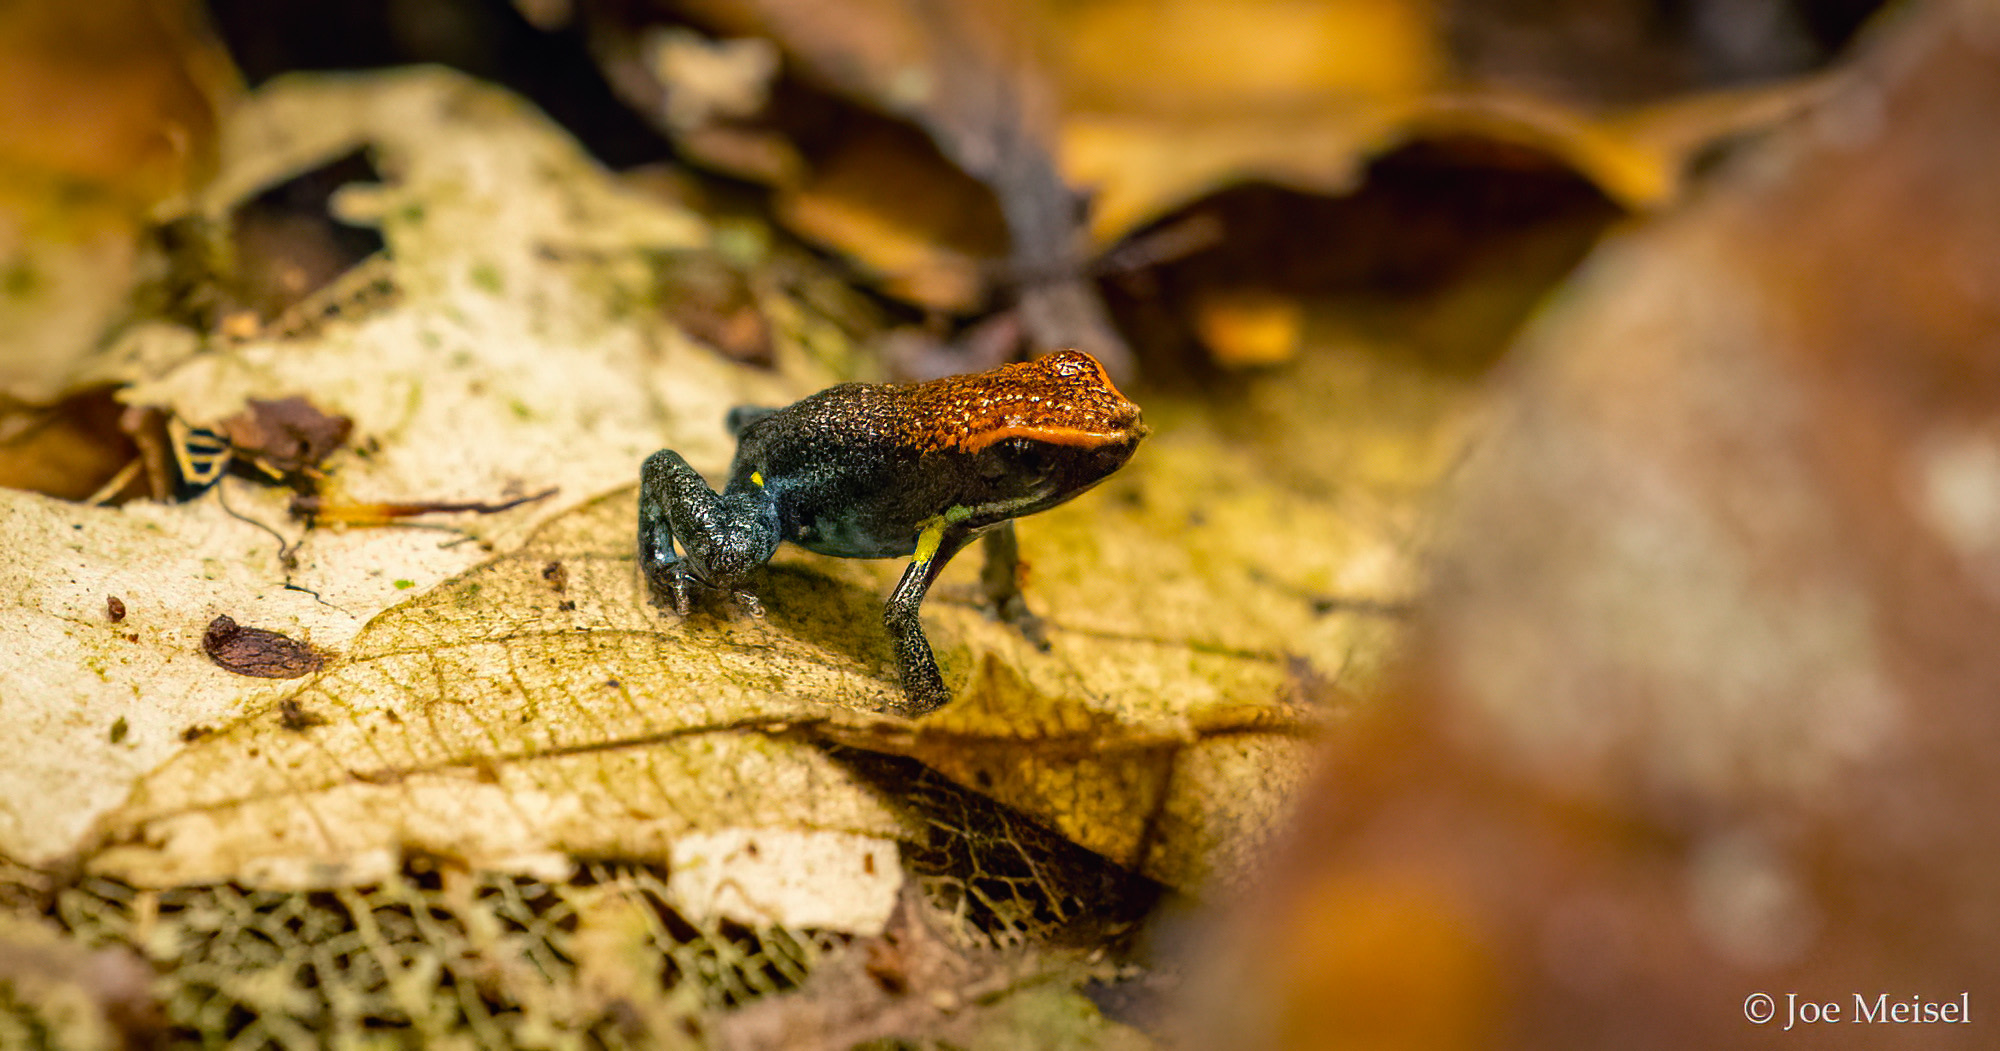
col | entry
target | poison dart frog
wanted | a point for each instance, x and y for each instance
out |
(888, 470)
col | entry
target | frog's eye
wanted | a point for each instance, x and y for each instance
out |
(1026, 455)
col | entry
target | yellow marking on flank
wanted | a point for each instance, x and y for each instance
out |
(933, 532)
(757, 479)
(929, 539)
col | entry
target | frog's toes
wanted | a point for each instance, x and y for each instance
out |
(669, 590)
(748, 603)
(1014, 610)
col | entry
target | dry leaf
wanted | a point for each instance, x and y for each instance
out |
(841, 881)
(501, 692)
(923, 231)
(562, 718)
(1143, 109)
(461, 392)
(69, 449)
(1143, 166)
(966, 74)
(1184, 596)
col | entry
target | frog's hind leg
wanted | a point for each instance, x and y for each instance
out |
(1000, 579)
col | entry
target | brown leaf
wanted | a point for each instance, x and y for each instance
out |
(68, 450)
(1161, 792)
(286, 436)
(716, 304)
(258, 652)
(922, 229)
(967, 75)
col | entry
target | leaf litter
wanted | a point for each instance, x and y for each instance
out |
(507, 728)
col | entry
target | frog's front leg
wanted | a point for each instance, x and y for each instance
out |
(721, 537)
(665, 482)
(1000, 579)
(923, 686)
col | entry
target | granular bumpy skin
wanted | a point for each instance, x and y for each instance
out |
(1063, 398)
(865, 470)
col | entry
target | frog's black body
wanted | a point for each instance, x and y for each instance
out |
(889, 470)
(842, 484)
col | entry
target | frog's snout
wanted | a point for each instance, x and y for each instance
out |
(1135, 430)
(1112, 455)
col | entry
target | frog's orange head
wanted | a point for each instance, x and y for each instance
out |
(1025, 437)
(1061, 399)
